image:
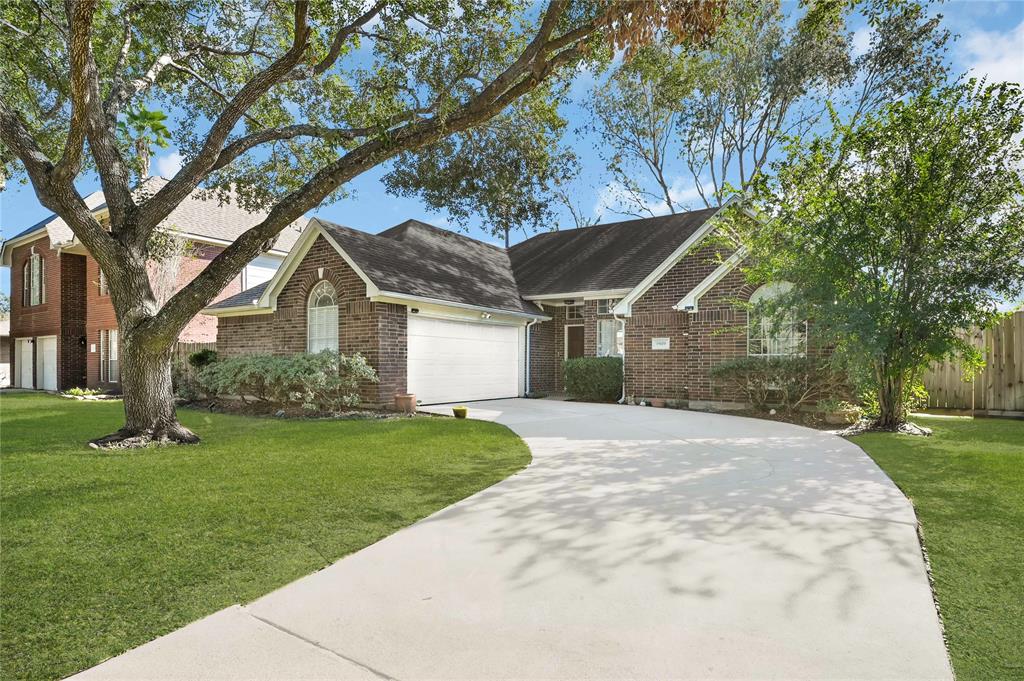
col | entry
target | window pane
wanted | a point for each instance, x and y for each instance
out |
(609, 338)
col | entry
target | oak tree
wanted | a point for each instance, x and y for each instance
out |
(279, 103)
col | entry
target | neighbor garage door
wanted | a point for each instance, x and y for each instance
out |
(46, 362)
(455, 361)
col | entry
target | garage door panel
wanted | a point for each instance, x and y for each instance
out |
(461, 361)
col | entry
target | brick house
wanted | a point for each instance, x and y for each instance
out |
(63, 331)
(450, 318)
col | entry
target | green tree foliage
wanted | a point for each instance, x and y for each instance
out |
(145, 129)
(508, 172)
(711, 116)
(276, 106)
(901, 230)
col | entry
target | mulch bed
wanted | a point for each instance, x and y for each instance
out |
(270, 410)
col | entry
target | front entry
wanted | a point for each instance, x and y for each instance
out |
(573, 341)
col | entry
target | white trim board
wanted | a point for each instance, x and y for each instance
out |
(625, 306)
(690, 300)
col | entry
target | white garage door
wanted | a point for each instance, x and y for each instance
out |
(23, 362)
(46, 362)
(453, 361)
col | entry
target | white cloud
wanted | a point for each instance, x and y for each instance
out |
(996, 55)
(614, 198)
(169, 165)
(861, 41)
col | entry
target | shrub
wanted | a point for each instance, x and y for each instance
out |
(184, 383)
(597, 379)
(788, 382)
(326, 381)
(202, 358)
(915, 397)
(82, 392)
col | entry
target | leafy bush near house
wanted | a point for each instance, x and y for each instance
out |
(202, 358)
(787, 382)
(82, 392)
(597, 379)
(326, 381)
(184, 382)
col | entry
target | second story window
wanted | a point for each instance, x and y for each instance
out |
(33, 275)
(104, 288)
(574, 312)
(606, 305)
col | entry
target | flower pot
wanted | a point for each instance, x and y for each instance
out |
(405, 403)
(460, 412)
(657, 402)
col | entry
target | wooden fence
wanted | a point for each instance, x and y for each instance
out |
(183, 350)
(999, 389)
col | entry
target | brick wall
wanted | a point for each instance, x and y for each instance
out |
(377, 330)
(697, 340)
(100, 311)
(545, 354)
(71, 348)
(99, 315)
(33, 321)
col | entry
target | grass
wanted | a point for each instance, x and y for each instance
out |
(105, 551)
(967, 486)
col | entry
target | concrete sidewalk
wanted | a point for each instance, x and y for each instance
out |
(640, 543)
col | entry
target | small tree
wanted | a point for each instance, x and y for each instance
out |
(901, 230)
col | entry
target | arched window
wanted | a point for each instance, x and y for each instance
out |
(322, 319)
(774, 334)
(33, 292)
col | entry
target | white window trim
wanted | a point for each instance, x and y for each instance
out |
(772, 342)
(617, 328)
(320, 338)
(578, 306)
(108, 358)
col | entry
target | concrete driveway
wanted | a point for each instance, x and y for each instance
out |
(640, 543)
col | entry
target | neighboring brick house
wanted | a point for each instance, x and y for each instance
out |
(63, 331)
(450, 318)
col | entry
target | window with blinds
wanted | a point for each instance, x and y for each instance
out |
(322, 319)
(110, 369)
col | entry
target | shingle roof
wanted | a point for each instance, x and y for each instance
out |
(415, 258)
(195, 216)
(246, 297)
(612, 256)
(418, 259)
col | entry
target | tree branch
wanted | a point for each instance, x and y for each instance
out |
(189, 177)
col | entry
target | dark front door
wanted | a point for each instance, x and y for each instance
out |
(573, 341)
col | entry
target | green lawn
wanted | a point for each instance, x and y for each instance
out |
(104, 551)
(967, 486)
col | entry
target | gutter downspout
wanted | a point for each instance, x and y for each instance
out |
(531, 323)
(622, 399)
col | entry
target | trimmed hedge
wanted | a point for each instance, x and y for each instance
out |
(324, 382)
(594, 379)
(787, 382)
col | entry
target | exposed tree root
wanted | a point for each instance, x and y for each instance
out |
(866, 426)
(128, 438)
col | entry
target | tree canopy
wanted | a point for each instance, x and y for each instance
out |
(899, 231)
(711, 116)
(275, 104)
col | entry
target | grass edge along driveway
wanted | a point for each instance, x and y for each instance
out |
(966, 482)
(105, 551)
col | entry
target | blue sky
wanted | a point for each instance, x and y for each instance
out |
(990, 42)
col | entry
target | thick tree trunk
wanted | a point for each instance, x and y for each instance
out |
(890, 398)
(148, 399)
